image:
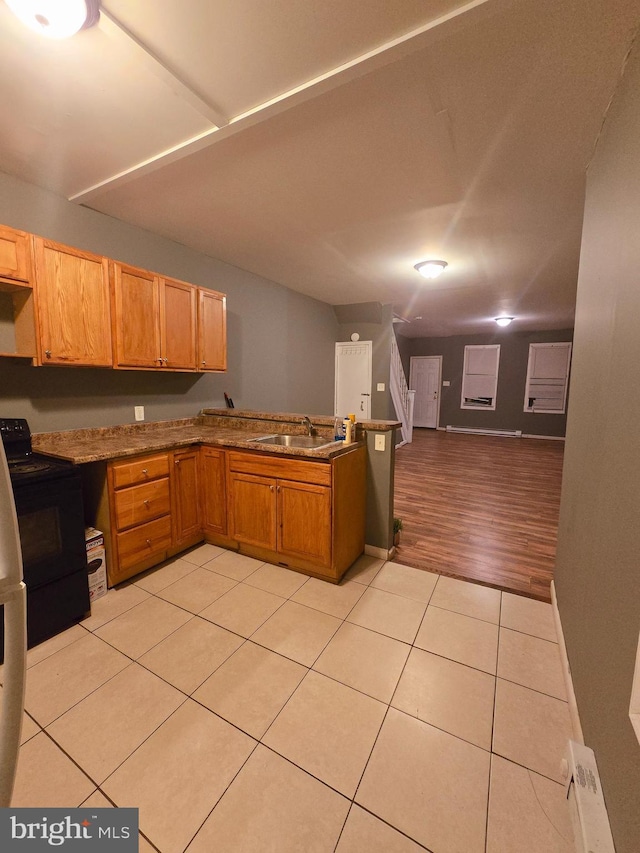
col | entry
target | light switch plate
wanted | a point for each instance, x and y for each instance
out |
(379, 442)
(380, 386)
(446, 383)
(138, 412)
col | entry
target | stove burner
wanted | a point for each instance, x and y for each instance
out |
(30, 467)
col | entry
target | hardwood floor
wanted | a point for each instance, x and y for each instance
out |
(481, 508)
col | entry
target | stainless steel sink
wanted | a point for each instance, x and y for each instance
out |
(310, 441)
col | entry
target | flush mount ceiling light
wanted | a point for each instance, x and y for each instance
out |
(504, 321)
(431, 269)
(56, 19)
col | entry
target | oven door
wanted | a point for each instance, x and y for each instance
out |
(51, 523)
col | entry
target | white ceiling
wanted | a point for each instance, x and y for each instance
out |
(331, 145)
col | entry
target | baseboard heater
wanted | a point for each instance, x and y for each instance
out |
(509, 433)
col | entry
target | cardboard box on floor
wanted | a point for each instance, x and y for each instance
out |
(96, 558)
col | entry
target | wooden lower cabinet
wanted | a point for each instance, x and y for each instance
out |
(304, 522)
(142, 543)
(294, 512)
(253, 510)
(213, 490)
(154, 510)
(187, 522)
(309, 516)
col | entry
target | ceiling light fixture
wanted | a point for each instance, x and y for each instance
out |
(56, 19)
(504, 321)
(431, 269)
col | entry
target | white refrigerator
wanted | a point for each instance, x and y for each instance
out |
(13, 595)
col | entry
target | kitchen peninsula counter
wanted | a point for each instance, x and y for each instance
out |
(155, 489)
(223, 427)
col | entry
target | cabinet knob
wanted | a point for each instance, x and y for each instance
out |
(165, 360)
(145, 471)
(146, 503)
(271, 488)
(47, 352)
(203, 363)
(160, 360)
(149, 542)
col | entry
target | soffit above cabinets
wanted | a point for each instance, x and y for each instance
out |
(330, 146)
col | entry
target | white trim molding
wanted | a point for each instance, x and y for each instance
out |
(576, 725)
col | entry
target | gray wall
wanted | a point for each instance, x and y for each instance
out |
(514, 355)
(281, 344)
(597, 573)
(373, 322)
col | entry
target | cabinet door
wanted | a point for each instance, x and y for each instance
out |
(186, 491)
(214, 491)
(15, 255)
(212, 330)
(73, 306)
(304, 516)
(253, 510)
(178, 324)
(136, 317)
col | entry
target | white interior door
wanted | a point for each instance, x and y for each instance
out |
(353, 380)
(424, 379)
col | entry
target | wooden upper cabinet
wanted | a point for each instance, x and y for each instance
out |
(154, 320)
(73, 306)
(15, 254)
(212, 330)
(178, 324)
(136, 308)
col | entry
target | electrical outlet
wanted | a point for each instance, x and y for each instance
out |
(379, 442)
(138, 411)
(380, 386)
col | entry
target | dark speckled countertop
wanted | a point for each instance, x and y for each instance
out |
(228, 428)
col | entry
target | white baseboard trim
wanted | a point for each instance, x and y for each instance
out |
(566, 671)
(545, 437)
(380, 553)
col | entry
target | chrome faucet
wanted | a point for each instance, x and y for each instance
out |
(306, 422)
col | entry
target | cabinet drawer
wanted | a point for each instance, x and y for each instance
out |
(317, 473)
(142, 503)
(140, 542)
(140, 470)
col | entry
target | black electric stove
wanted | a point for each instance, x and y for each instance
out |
(24, 464)
(48, 499)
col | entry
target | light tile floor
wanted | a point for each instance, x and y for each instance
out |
(242, 707)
